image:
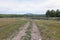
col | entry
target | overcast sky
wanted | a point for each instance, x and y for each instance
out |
(28, 6)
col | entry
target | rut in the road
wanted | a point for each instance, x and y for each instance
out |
(21, 32)
(35, 35)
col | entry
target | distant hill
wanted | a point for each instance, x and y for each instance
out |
(30, 14)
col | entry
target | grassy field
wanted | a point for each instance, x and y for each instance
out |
(49, 29)
(8, 26)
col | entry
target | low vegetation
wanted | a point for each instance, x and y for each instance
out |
(49, 29)
(28, 33)
(9, 26)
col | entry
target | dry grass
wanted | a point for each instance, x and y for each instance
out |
(8, 26)
(50, 29)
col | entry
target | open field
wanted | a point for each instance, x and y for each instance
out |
(49, 29)
(9, 26)
(32, 30)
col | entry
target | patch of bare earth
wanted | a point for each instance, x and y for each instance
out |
(21, 32)
(35, 35)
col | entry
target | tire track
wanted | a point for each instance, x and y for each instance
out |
(35, 34)
(21, 32)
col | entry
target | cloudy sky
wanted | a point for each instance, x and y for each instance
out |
(28, 6)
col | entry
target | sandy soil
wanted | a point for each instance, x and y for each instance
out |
(21, 32)
(35, 35)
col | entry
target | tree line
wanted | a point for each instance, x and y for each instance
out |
(9, 15)
(49, 13)
(53, 13)
(19, 15)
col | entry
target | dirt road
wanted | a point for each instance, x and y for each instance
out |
(21, 32)
(35, 35)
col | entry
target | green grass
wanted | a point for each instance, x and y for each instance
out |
(7, 30)
(50, 29)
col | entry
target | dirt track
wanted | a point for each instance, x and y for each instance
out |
(35, 35)
(21, 32)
